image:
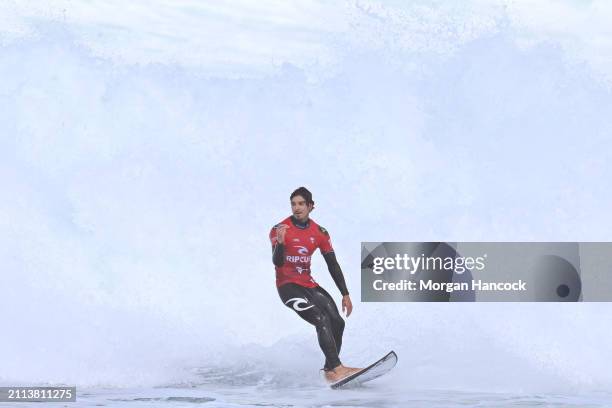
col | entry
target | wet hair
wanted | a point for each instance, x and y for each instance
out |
(303, 191)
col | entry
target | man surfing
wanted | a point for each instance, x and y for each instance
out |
(294, 240)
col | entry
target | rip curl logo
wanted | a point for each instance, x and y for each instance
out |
(301, 250)
(297, 302)
(303, 257)
(297, 258)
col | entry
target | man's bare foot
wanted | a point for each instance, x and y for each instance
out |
(340, 372)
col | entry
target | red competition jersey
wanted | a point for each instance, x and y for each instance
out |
(300, 244)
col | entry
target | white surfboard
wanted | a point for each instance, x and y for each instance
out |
(374, 370)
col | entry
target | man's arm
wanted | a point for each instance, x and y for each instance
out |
(277, 238)
(336, 272)
(278, 254)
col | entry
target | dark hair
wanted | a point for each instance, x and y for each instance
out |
(303, 191)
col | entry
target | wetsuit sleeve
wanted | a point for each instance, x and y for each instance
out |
(324, 243)
(336, 272)
(278, 250)
(278, 255)
(332, 263)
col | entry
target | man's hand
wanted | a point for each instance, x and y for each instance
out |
(347, 305)
(281, 230)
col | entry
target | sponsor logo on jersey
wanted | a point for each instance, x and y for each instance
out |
(299, 269)
(302, 250)
(312, 240)
(296, 240)
(297, 304)
(303, 257)
(297, 258)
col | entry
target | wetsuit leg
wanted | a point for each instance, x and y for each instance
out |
(312, 306)
(327, 302)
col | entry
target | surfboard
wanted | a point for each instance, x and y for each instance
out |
(374, 370)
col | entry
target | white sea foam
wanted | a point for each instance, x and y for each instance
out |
(146, 151)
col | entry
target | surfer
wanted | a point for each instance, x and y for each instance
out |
(294, 240)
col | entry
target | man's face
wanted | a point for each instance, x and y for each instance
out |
(299, 208)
